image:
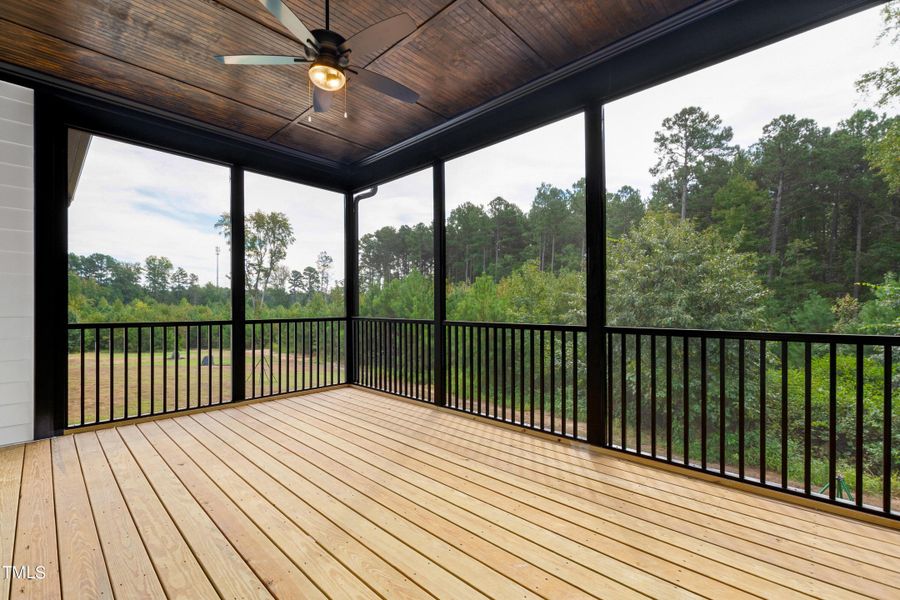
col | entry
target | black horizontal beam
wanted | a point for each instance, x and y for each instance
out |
(395, 320)
(145, 324)
(526, 326)
(776, 336)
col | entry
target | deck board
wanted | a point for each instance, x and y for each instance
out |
(346, 493)
(130, 568)
(35, 544)
(508, 489)
(11, 461)
(179, 571)
(592, 498)
(81, 563)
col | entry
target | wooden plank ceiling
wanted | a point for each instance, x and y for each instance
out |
(463, 53)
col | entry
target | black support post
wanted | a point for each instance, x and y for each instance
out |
(440, 284)
(351, 283)
(51, 267)
(238, 292)
(595, 224)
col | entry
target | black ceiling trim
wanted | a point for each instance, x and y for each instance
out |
(113, 116)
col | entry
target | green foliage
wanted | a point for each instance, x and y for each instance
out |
(814, 314)
(885, 82)
(409, 297)
(884, 155)
(666, 273)
(873, 407)
(688, 141)
(478, 301)
(624, 210)
(739, 209)
(535, 296)
(881, 314)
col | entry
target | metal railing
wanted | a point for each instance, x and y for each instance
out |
(529, 375)
(131, 370)
(292, 355)
(395, 356)
(123, 371)
(807, 414)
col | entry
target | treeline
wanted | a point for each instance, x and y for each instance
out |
(494, 239)
(812, 227)
(103, 289)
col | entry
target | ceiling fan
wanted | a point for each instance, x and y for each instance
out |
(335, 59)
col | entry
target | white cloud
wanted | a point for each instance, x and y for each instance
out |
(133, 202)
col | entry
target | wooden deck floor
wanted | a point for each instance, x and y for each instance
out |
(349, 494)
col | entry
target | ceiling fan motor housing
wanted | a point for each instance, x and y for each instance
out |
(330, 53)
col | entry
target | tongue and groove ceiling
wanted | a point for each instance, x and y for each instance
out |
(463, 53)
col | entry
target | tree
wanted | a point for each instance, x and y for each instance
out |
(882, 153)
(784, 163)
(126, 280)
(864, 190)
(180, 280)
(468, 234)
(378, 257)
(688, 140)
(624, 210)
(295, 283)
(323, 266)
(266, 240)
(310, 282)
(508, 234)
(885, 83)
(157, 274)
(739, 212)
(548, 216)
(666, 273)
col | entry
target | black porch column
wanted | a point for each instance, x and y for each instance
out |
(238, 305)
(595, 222)
(351, 283)
(51, 268)
(440, 284)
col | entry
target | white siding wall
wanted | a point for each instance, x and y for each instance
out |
(16, 263)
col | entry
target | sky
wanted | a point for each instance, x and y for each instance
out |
(132, 202)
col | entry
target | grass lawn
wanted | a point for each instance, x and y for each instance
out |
(156, 384)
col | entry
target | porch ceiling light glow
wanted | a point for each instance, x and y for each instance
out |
(327, 77)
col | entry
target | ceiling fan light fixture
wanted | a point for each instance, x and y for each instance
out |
(326, 77)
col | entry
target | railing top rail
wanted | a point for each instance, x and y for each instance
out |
(144, 324)
(816, 338)
(297, 320)
(395, 320)
(536, 326)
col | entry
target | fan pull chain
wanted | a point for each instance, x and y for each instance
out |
(346, 85)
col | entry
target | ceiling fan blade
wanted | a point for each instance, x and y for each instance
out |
(293, 24)
(260, 59)
(378, 37)
(321, 99)
(383, 84)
